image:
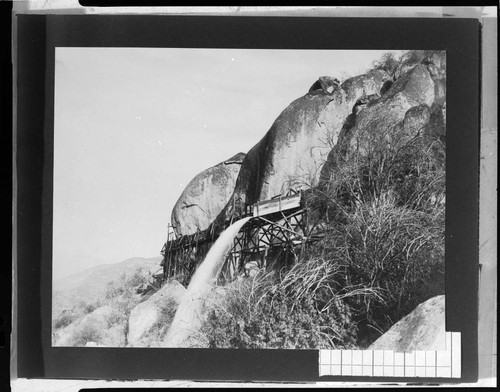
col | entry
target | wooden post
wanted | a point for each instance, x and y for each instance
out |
(264, 262)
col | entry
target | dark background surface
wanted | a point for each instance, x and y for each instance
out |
(37, 38)
(5, 191)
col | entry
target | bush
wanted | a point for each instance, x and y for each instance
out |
(69, 316)
(136, 279)
(391, 250)
(384, 226)
(86, 332)
(90, 307)
(124, 284)
(394, 65)
(116, 317)
(388, 63)
(65, 319)
(260, 313)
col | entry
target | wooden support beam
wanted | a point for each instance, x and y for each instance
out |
(275, 224)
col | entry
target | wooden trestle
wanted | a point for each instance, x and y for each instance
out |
(276, 232)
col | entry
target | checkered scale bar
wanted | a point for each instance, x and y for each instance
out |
(386, 363)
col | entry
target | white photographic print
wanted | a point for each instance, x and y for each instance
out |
(248, 198)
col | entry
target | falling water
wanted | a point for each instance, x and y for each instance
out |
(188, 315)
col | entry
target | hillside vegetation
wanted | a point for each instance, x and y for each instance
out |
(102, 318)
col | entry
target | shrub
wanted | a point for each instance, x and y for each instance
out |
(83, 308)
(384, 226)
(125, 285)
(136, 278)
(113, 290)
(65, 319)
(69, 316)
(260, 313)
(90, 307)
(116, 318)
(86, 332)
(391, 250)
(388, 62)
(394, 65)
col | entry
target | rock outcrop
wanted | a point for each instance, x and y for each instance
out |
(302, 145)
(292, 152)
(326, 84)
(205, 196)
(400, 114)
(151, 318)
(423, 329)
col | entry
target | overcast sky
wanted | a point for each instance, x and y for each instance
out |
(133, 126)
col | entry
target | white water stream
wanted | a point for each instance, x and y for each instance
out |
(187, 318)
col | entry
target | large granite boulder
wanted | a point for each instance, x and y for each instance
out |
(303, 143)
(149, 320)
(205, 196)
(292, 152)
(423, 329)
(398, 115)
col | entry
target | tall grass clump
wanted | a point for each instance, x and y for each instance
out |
(387, 259)
(87, 332)
(385, 214)
(266, 312)
(68, 316)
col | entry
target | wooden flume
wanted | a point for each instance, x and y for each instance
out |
(277, 232)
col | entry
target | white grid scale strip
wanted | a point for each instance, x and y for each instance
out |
(387, 363)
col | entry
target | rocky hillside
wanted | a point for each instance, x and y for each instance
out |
(292, 152)
(290, 155)
(90, 284)
(413, 105)
(304, 142)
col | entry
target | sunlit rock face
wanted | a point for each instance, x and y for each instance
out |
(406, 109)
(152, 317)
(423, 329)
(293, 151)
(302, 145)
(205, 196)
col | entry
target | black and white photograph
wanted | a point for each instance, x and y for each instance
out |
(249, 198)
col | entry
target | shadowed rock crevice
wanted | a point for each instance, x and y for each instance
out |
(326, 84)
(386, 87)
